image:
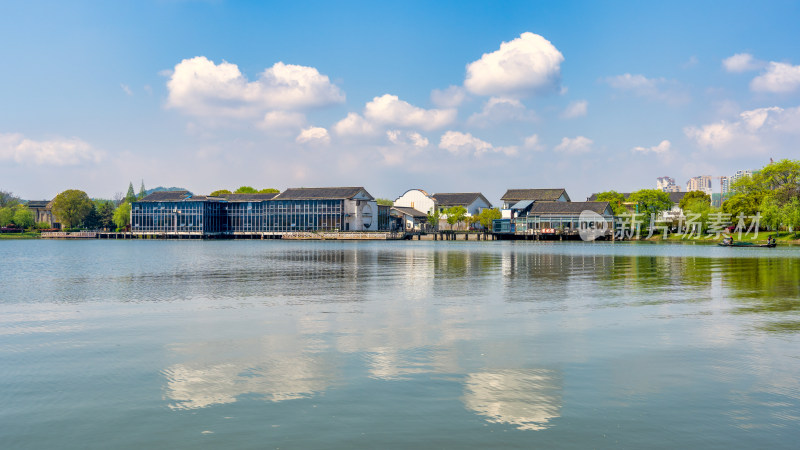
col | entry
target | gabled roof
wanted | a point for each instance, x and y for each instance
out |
(248, 197)
(167, 196)
(459, 198)
(326, 193)
(410, 211)
(539, 195)
(524, 204)
(37, 203)
(567, 207)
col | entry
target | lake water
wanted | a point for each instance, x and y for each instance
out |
(269, 344)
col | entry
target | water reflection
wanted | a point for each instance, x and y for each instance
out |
(526, 398)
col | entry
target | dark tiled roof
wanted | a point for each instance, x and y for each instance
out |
(410, 211)
(567, 207)
(459, 198)
(539, 195)
(37, 203)
(328, 193)
(167, 196)
(248, 197)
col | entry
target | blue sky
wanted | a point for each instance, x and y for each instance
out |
(443, 96)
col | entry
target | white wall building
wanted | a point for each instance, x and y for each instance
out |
(416, 199)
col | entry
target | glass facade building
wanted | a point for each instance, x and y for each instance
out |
(202, 217)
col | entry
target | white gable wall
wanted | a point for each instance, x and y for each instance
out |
(416, 199)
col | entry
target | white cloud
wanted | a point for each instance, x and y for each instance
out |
(451, 97)
(741, 62)
(575, 109)
(400, 137)
(660, 149)
(575, 145)
(754, 131)
(532, 143)
(659, 89)
(459, 143)
(779, 78)
(57, 152)
(527, 64)
(391, 111)
(126, 89)
(314, 135)
(502, 110)
(354, 125)
(277, 120)
(200, 87)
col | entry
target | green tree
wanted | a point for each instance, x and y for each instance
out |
(791, 214)
(142, 192)
(433, 218)
(615, 199)
(488, 215)
(71, 207)
(698, 209)
(384, 202)
(781, 178)
(269, 191)
(649, 202)
(23, 217)
(219, 192)
(130, 197)
(771, 213)
(692, 195)
(42, 225)
(122, 216)
(455, 215)
(6, 216)
(8, 199)
(245, 190)
(106, 213)
(92, 219)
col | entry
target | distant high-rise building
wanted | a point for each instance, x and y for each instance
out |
(667, 184)
(738, 175)
(725, 185)
(701, 183)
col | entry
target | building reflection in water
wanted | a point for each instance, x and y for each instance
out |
(529, 399)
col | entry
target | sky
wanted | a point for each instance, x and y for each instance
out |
(443, 96)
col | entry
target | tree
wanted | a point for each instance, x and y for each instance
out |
(384, 202)
(142, 192)
(106, 213)
(8, 199)
(488, 216)
(245, 190)
(650, 201)
(71, 207)
(269, 191)
(92, 219)
(433, 218)
(455, 214)
(615, 199)
(130, 197)
(791, 214)
(698, 209)
(219, 192)
(771, 213)
(23, 217)
(122, 216)
(781, 178)
(693, 195)
(6, 216)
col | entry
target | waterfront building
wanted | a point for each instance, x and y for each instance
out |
(555, 218)
(417, 199)
(513, 196)
(299, 209)
(473, 202)
(179, 213)
(42, 212)
(410, 219)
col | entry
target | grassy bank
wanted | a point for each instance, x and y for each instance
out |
(26, 235)
(782, 237)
